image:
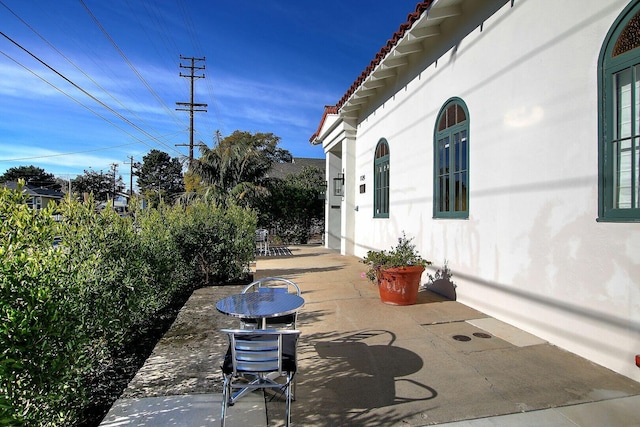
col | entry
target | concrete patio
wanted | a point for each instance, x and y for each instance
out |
(362, 362)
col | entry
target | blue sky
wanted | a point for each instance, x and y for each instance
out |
(88, 83)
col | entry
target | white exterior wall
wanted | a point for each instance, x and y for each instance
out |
(531, 252)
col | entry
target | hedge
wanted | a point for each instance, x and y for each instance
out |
(66, 309)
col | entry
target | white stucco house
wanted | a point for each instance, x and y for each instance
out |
(504, 136)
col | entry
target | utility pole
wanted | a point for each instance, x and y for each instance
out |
(217, 137)
(131, 165)
(192, 107)
(114, 168)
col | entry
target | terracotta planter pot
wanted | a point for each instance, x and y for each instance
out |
(399, 286)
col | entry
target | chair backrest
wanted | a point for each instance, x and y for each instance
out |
(261, 351)
(272, 284)
(262, 235)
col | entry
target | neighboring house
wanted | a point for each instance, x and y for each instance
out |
(297, 164)
(119, 204)
(39, 198)
(505, 136)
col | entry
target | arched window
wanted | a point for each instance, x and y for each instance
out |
(451, 161)
(381, 180)
(619, 141)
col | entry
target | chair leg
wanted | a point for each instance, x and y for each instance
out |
(292, 388)
(225, 400)
(288, 394)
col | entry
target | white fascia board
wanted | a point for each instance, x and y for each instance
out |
(331, 121)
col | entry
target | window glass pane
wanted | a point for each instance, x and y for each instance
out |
(385, 195)
(460, 115)
(447, 163)
(443, 148)
(451, 115)
(636, 203)
(623, 175)
(442, 124)
(383, 150)
(636, 133)
(441, 155)
(456, 152)
(622, 84)
(463, 149)
(636, 91)
(461, 192)
(445, 194)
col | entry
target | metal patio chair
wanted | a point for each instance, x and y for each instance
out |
(262, 241)
(259, 359)
(273, 284)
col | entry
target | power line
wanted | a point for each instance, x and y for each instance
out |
(72, 98)
(72, 63)
(190, 27)
(47, 156)
(120, 116)
(133, 68)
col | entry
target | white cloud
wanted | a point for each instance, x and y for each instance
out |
(18, 82)
(24, 155)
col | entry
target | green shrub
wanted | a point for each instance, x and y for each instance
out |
(67, 311)
(171, 276)
(217, 243)
(41, 350)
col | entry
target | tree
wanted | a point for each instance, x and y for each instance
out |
(32, 175)
(101, 185)
(192, 183)
(160, 175)
(295, 205)
(238, 165)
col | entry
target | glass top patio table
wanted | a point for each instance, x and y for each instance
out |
(260, 305)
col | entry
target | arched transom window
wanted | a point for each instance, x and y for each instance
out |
(381, 180)
(451, 157)
(619, 142)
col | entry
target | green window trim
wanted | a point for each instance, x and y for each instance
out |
(381, 174)
(451, 161)
(619, 120)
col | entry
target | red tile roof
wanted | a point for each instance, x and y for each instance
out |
(328, 109)
(397, 36)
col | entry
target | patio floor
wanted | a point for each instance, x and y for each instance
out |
(365, 363)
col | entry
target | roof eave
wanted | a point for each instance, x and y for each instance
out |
(422, 24)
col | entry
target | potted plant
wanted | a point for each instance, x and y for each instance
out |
(397, 272)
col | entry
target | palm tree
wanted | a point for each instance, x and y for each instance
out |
(237, 167)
